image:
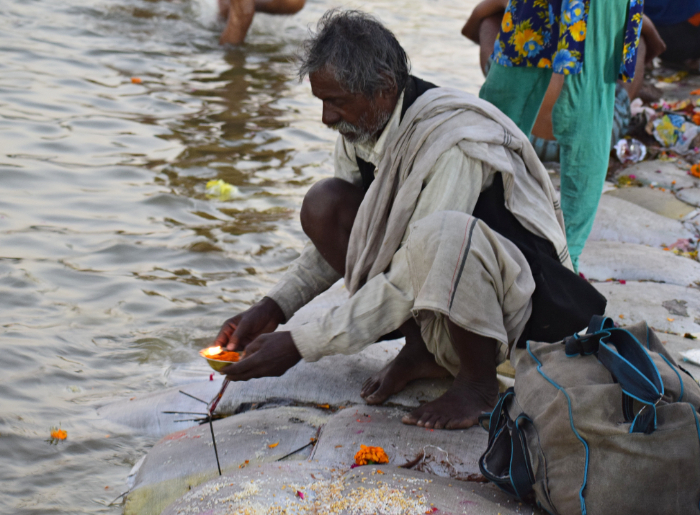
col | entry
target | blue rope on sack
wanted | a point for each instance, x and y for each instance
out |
(630, 365)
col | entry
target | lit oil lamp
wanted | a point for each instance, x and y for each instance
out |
(218, 357)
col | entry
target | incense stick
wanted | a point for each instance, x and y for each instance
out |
(216, 452)
(184, 413)
(195, 398)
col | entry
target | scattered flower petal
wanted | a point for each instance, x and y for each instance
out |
(58, 434)
(273, 445)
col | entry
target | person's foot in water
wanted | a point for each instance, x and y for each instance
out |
(414, 361)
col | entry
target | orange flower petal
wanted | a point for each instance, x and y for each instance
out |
(59, 434)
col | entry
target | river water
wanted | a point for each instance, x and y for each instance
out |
(115, 266)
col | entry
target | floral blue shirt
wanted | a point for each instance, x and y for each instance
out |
(551, 34)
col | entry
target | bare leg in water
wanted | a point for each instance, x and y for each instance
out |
(327, 217)
(239, 15)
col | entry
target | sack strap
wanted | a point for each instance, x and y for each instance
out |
(519, 478)
(630, 365)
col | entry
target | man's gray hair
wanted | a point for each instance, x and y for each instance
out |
(363, 55)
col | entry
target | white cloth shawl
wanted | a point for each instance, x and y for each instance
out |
(438, 120)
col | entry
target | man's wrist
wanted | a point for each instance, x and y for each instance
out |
(274, 309)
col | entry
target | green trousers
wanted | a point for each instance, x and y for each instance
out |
(582, 117)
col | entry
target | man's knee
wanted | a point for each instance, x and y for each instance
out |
(329, 204)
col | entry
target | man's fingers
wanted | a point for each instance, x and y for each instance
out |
(241, 335)
(244, 369)
(224, 337)
(225, 333)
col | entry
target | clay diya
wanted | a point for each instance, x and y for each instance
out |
(218, 358)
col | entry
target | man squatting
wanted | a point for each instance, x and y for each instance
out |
(442, 221)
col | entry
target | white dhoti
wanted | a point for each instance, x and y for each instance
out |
(463, 271)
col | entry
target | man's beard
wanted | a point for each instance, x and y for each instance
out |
(362, 135)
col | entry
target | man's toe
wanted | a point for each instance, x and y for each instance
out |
(411, 419)
(382, 393)
(369, 387)
(441, 423)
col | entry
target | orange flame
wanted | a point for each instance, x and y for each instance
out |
(219, 354)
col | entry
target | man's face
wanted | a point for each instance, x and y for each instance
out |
(358, 118)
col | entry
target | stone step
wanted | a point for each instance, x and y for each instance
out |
(623, 221)
(602, 260)
(665, 307)
(662, 203)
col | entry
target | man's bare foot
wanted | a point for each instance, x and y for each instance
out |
(240, 16)
(458, 408)
(414, 361)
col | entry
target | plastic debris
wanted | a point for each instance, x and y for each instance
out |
(136, 80)
(630, 150)
(222, 190)
(676, 77)
(674, 132)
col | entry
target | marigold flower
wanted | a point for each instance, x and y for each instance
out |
(58, 434)
(370, 456)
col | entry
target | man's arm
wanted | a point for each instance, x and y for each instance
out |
(482, 11)
(310, 274)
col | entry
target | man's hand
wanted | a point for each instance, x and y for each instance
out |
(239, 331)
(269, 355)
